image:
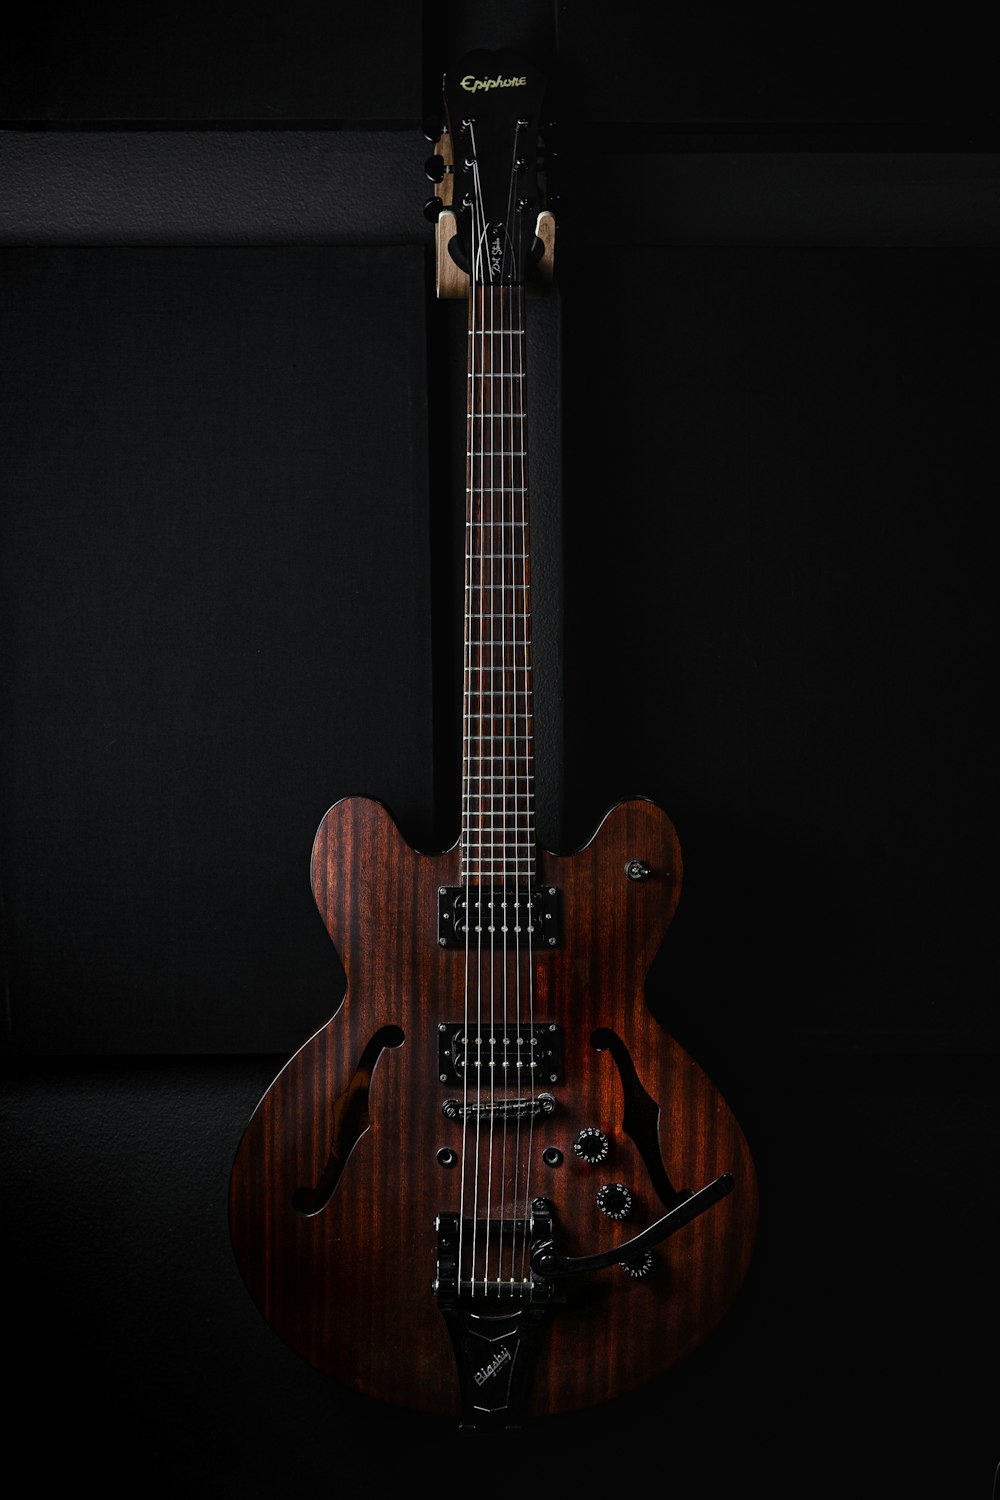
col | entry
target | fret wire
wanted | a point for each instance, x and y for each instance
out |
(488, 776)
(511, 842)
(498, 776)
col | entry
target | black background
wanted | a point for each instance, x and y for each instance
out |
(763, 459)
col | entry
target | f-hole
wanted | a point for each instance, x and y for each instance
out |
(640, 1116)
(350, 1121)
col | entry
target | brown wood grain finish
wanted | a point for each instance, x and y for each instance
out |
(350, 1287)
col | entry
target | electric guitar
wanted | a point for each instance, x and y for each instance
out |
(492, 1186)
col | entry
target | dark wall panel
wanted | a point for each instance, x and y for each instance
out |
(861, 64)
(215, 610)
(781, 617)
(301, 60)
(857, 63)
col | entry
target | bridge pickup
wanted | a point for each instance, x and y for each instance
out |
(506, 1109)
(489, 917)
(500, 1056)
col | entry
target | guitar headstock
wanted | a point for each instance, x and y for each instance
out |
(491, 169)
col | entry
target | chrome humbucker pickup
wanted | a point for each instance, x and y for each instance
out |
(483, 918)
(501, 1056)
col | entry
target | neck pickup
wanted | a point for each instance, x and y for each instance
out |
(510, 916)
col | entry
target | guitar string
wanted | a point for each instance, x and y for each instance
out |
(506, 607)
(504, 445)
(510, 911)
(517, 771)
(502, 338)
(489, 676)
(503, 724)
(487, 839)
(480, 816)
(510, 898)
(468, 815)
(467, 626)
(528, 747)
(482, 808)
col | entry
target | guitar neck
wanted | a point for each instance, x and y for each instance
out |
(498, 801)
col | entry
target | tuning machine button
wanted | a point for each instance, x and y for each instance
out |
(614, 1200)
(433, 209)
(435, 168)
(592, 1145)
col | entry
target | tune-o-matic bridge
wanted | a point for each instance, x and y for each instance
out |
(499, 1056)
(504, 1109)
(484, 917)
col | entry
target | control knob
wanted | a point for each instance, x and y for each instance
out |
(615, 1200)
(639, 1265)
(591, 1145)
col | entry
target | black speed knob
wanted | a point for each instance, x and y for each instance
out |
(592, 1145)
(615, 1200)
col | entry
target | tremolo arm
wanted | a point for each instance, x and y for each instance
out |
(550, 1263)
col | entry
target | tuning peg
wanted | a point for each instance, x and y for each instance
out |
(433, 208)
(435, 168)
(433, 128)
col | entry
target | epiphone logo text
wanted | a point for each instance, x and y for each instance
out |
(471, 83)
(481, 1376)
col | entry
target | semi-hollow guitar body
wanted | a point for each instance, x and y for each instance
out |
(347, 1282)
(492, 1186)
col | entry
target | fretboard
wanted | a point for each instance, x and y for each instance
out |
(498, 800)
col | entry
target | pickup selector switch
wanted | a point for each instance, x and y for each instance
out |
(592, 1145)
(615, 1200)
